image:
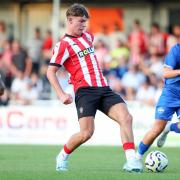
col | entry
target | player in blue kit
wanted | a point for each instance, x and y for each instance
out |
(168, 104)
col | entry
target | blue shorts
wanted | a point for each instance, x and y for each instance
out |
(166, 113)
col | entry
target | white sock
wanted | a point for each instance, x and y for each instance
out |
(130, 154)
(167, 127)
(63, 155)
(138, 156)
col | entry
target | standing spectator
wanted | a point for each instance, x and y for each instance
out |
(35, 50)
(174, 37)
(7, 70)
(47, 46)
(102, 52)
(156, 39)
(120, 51)
(117, 34)
(137, 42)
(103, 35)
(21, 60)
(3, 36)
(6, 64)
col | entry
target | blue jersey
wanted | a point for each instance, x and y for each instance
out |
(170, 96)
(172, 60)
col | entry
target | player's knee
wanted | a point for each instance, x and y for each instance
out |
(127, 120)
(86, 135)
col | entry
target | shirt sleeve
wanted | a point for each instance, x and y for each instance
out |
(60, 54)
(171, 58)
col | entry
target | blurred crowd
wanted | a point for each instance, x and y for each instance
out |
(132, 63)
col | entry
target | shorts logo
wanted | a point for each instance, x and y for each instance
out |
(81, 110)
(160, 110)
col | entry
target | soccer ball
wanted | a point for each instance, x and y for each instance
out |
(156, 161)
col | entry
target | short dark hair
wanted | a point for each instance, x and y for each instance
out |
(156, 25)
(77, 10)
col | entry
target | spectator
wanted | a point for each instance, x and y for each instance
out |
(137, 42)
(102, 52)
(103, 35)
(174, 37)
(47, 47)
(35, 50)
(156, 39)
(21, 60)
(132, 80)
(117, 34)
(120, 52)
(3, 36)
(22, 91)
(146, 92)
(45, 93)
(6, 64)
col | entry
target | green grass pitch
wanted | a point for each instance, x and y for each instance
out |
(37, 162)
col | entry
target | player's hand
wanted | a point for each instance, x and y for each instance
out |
(66, 99)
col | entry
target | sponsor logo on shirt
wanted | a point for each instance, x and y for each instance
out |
(85, 52)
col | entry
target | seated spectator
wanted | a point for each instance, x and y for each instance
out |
(132, 80)
(45, 93)
(146, 92)
(23, 91)
(115, 84)
(159, 87)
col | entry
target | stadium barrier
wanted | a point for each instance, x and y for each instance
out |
(54, 123)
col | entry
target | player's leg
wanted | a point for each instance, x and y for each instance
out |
(150, 136)
(121, 115)
(175, 127)
(85, 133)
(162, 116)
(86, 105)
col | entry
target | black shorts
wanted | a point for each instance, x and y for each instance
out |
(90, 99)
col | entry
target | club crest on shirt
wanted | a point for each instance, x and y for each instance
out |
(85, 52)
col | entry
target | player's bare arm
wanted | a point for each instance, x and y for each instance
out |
(170, 73)
(51, 75)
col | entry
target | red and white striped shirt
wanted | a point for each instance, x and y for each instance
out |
(77, 55)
